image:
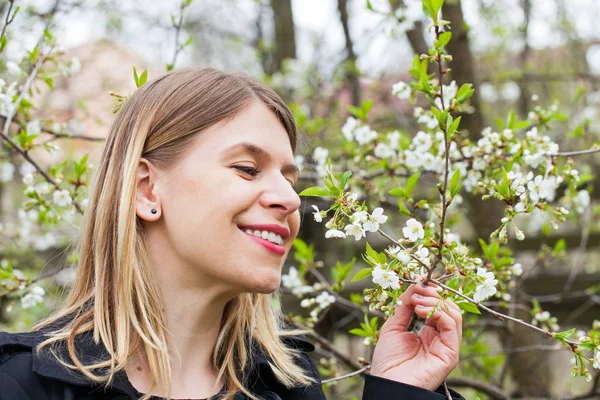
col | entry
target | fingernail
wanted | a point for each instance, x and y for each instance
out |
(419, 296)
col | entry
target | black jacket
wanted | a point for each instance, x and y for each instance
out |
(27, 375)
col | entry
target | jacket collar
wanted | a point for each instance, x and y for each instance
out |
(89, 352)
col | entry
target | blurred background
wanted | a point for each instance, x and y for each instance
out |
(323, 56)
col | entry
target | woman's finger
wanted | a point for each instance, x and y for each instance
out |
(402, 314)
(448, 345)
(429, 290)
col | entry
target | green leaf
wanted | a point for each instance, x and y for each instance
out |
(453, 127)
(344, 180)
(49, 82)
(427, 8)
(454, 283)
(521, 125)
(398, 192)
(3, 42)
(559, 246)
(512, 117)
(411, 183)
(370, 6)
(402, 207)
(372, 253)
(169, 67)
(373, 324)
(315, 191)
(444, 39)
(366, 107)
(454, 183)
(465, 92)
(436, 5)
(563, 335)
(362, 274)
(136, 77)
(468, 307)
(357, 112)
(359, 332)
(143, 77)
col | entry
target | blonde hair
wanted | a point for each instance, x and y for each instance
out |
(115, 295)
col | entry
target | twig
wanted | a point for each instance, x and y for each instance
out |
(575, 153)
(493, 391)
(522, 349)
(10, 116)
(501, 316)
(329, 346)
(447, 392)
(8, 19)
(177, 33)
(351, 374)
(445, 204)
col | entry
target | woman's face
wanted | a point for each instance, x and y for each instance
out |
(235, 183)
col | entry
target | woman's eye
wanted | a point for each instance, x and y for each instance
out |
(248, 170)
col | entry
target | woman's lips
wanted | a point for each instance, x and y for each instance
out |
(272, 247)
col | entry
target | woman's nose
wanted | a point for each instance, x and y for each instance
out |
(281, 195)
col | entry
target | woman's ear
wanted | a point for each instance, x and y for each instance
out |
(147, 199)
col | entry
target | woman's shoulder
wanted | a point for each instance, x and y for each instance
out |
(17, 377)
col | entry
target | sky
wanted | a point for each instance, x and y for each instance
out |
(315, 20)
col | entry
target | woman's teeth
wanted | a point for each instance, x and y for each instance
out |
(270, 236)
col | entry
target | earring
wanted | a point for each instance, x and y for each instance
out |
(153, 211)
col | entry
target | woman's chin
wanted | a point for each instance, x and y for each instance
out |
(268, 284)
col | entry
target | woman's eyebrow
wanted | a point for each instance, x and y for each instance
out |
(259, 153)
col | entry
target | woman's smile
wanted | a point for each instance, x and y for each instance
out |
(272, 237)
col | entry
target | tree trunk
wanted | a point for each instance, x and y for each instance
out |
(351, 68)
(285, 36)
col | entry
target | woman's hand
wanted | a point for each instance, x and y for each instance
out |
(426, 358)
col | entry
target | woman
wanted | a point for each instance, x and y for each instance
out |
(172, 297)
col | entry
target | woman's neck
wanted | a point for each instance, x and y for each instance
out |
(194, 318)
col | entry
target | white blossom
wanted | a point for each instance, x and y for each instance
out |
(413, 230)
(325, 300)
(422, 141)
(33, 127)
(394, 139)
(34, 297)
(382, 150)
(13, 69)
(364, 135)
(62, 198)
(42, 187)
(425, 117)
(355, 230)
(384, 278)
(28, 179)
(539, 188)
(413, 160)
(348, 128)
(517, 269)
(596, 363)
(487, 288)
(318, 215)
(519, 234)
(449, 94)
(334, 233)
(7, 172)
(401, 90)
(26, 168)
(291, 280)
(320, 155)
(376, 218)
(581, 201)
(360, 216)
